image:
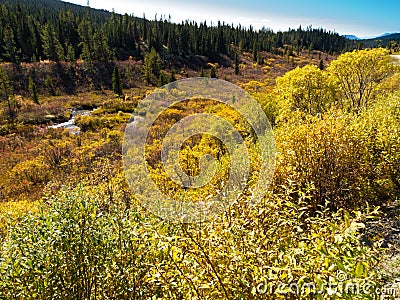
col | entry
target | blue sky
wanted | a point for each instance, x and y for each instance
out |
(363, 18)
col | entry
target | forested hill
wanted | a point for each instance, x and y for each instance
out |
(50, 29)
(390, 41)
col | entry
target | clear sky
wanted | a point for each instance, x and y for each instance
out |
(363, 18)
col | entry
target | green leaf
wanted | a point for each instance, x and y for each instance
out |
(341, 266)
(360, 269)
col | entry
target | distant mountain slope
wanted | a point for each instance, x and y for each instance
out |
(381, 41)
(391, 36)
(351, 37)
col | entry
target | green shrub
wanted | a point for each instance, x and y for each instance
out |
(84, 245)
(76, 247)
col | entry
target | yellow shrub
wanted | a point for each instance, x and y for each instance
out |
(359, 74)
(34, 171)
(306, 89)
(326, 156)
(10, 212)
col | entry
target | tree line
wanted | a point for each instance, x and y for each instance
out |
(33, 30)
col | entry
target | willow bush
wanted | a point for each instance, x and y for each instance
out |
(348, 159)
(80, 245)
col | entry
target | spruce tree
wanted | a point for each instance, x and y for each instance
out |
(86, 36)
(5, 94)
(213, 73)
(236, 63)
(151, 66)
(51, 45)
(70, 53)
(255, 51)
(48, 83)
(9, 44)
(172, 77)
(33, 90)
(161, 80)
(117, 82)
(321, 65)
(101, 51)
(260, 59)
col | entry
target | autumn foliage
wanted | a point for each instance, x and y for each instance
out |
(71, 229)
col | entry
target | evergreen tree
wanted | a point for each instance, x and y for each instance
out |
(5, 94)
(117, 82)
(9, 44)
(255, 51)
(86, 36)
(321, 65)
(151, 66)
(51, 45)
(101, 50)
(213, 73)
(172, 41)
(70, 53)
(260, 59)
(311, 48)
(68, 28)
(236, 63)
(172, 77)
(161, 80)
(48, 83)
(33, 90)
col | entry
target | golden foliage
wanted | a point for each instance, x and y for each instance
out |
(359, 74)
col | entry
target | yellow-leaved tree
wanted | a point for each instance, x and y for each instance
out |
(359, 75)
(306, 89)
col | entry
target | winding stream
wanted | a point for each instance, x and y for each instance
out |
(70, 124)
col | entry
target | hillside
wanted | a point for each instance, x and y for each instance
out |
(34, 30)
(66, 49)
(390, 36)
(391, 41)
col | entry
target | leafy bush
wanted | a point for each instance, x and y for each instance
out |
(346, 159)
(270, 104)
(338, 130)
(359, 75)
(34, 171)
(95, 123)
(75, 249)
(11, 212)
(379, 128)
(306, 89)
(88, 123)
(325, 155)
(81, 245)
